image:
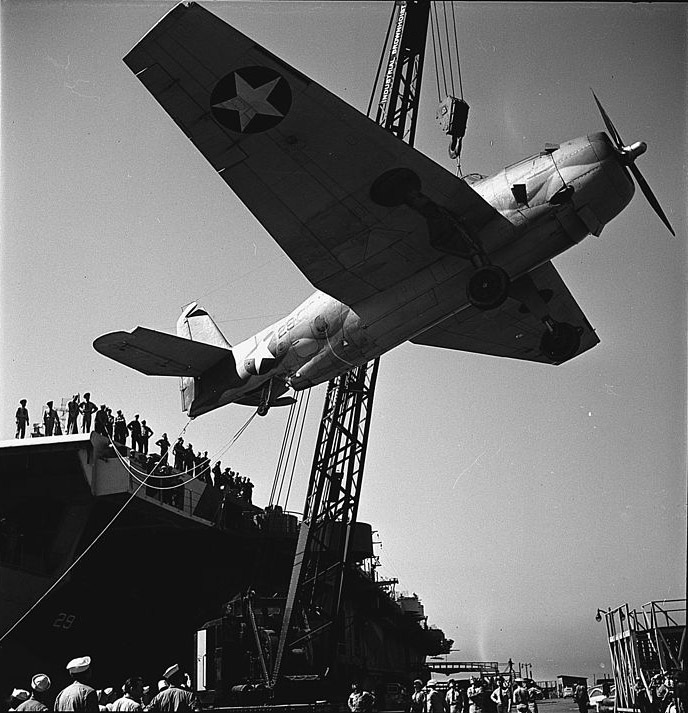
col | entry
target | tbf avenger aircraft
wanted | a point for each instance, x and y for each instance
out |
(398, 247)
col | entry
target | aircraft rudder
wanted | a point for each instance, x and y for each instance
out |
(197, 325)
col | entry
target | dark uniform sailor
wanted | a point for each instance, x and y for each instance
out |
(22, 419)
(72, 414)
(87, 407)
(50, 419)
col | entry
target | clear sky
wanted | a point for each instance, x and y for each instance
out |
(514, 498)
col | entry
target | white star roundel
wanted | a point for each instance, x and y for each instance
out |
(251, 99)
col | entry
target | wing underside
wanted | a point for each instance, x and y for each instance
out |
(301, 159)
(510, 330)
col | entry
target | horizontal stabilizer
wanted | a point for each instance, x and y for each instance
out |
(159, 354)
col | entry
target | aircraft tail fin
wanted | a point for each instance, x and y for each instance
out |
(197, 325)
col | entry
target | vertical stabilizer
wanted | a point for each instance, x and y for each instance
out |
(197, 325)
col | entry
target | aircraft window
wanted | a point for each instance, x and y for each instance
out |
(523, 161)
(472, 178)
(520, 193)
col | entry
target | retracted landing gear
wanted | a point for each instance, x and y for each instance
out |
(560, 341)
(488, 287)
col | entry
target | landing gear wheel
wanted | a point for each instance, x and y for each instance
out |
(488, 287)
(561, 343)
(391, 188)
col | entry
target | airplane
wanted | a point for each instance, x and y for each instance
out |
(398, 248)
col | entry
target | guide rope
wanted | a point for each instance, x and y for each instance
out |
(112, 520)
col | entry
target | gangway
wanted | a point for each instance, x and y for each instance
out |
(449, 667)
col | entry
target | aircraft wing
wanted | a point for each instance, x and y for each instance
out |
(159, 354)
(510, 331)
(301, 159)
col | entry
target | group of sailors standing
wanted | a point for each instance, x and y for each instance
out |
(481, 696)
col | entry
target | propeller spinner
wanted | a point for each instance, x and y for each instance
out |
(628, 156)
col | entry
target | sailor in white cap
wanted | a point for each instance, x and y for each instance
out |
(174, 697)
(40, 683)
(19, 695)
(78, 696)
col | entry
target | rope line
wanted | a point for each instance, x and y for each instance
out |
(114, 517)
(77, 560)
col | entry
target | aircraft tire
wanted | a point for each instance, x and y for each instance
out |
(560, 344)
(391, 188)
(488, 287)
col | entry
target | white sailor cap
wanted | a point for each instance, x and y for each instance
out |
(40, 682)
(79, 665)
(20, 694)
(162, 684)
(174, 668)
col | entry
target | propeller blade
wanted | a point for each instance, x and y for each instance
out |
(608, 123)
(647, 192)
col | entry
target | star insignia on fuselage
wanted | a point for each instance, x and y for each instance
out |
(251, 99)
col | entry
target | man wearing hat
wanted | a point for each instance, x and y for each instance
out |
(454, 698)
(18, 695)
(40, 684)
(174, 697)
(49, 419)
(87, 407)
(22, 417)
(418, 697)
(78, 696)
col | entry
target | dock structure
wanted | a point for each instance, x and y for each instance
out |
(643, 643)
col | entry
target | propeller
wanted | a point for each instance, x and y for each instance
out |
(628, 157)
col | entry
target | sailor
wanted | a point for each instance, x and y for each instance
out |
(18, 695)
(22, 419)
(174, 697)
(146, 433)
(501, 696)
(135, 430)
(189, 464)
(164, 446)
(581, 697)
(418, 697)
(78, 696)
(121, 432)
(476, 695)
(179, 452)
(40, 684)
(100, 421)
(454, 698)
(360, 701)
(217, 474)
(87, 407)
(72, 414)
(434, 702)
(110, 425)
(49, 419)
(521, 696)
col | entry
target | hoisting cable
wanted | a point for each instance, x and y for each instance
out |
(449, 59)
(81, 556)
(456, 43)
(434, 52)
(283, 450)
(298, 445)
(444, 76)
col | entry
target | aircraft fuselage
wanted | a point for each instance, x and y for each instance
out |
(551, 202)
